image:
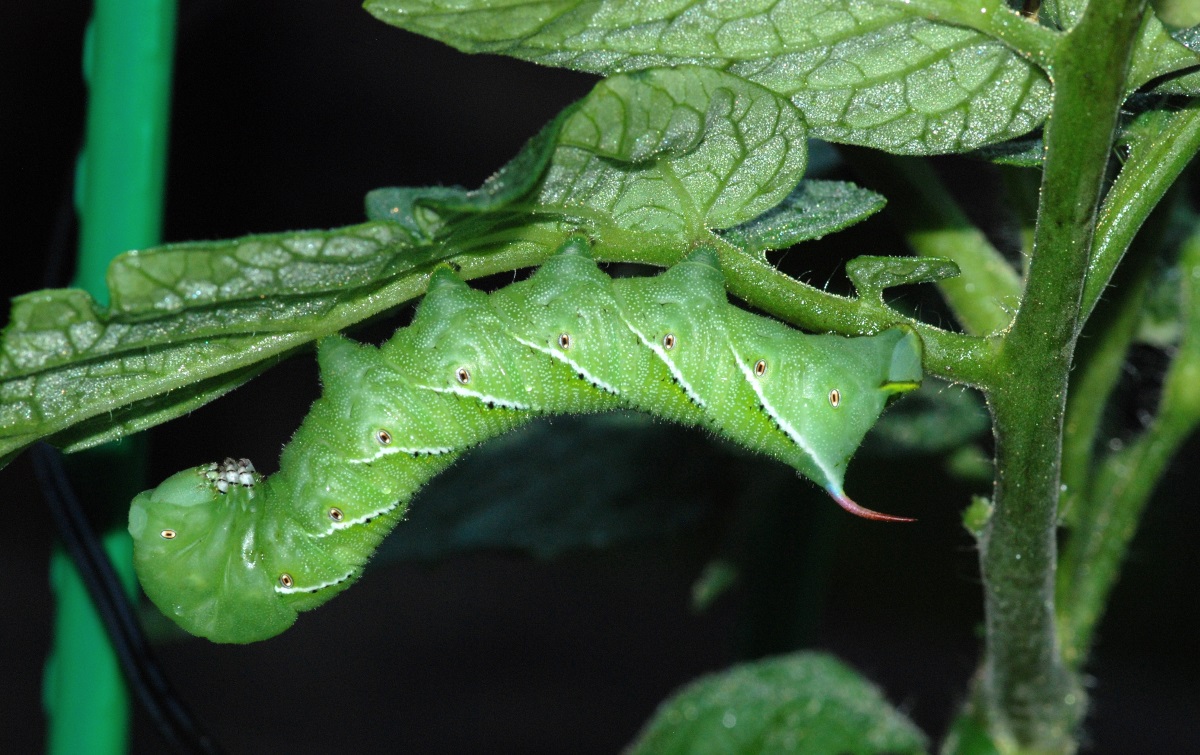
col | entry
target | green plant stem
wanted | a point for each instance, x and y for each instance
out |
(1107, 520)
(994, 18)
(986, 293)
(953, 356)
(1030, 700)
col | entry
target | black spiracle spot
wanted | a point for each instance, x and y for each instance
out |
(763, 408)
(685, 393)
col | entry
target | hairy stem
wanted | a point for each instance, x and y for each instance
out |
(954, 356)
(1017, 30)
(1029, 698)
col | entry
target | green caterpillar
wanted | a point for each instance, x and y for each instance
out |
(233, 557)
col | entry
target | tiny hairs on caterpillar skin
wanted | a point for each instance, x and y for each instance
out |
(232, 556)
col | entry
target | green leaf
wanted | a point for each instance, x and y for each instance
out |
(911, 87)
(199, 292)
(648, 161)
(1026, 152)
(975, 519)
(189, 322)
(675, 152)
(131, 418)
(871, 275)
(813, 210)
(235, 275)
(424, 211)
(874, 74)
(806, 702)
(1186, 83)
(663, 155)
(1157, 54)
(1062, 14)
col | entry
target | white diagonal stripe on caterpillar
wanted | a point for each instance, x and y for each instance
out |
(662, 355)
(348, 523)
(409, 451)
(295, 588)
(782, 423)
(490, 401)
(589, 377)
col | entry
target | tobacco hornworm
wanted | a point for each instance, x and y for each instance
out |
(233, 557)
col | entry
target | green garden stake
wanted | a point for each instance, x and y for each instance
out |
(128, 53)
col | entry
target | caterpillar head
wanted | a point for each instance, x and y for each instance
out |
(196, 557)
(823, 393)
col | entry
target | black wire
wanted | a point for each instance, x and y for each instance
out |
(115, 610)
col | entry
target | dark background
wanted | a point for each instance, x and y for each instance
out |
(286, 113)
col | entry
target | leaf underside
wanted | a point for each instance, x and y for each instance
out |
(873, 74)
(806, 702)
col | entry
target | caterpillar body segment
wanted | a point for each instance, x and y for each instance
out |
(239, 563)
